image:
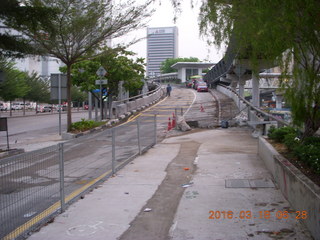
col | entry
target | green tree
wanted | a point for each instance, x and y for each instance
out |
(166, 65)
(285, 33)
(14, 86)
(119, 67)
(78, 95)
(11, 43)
(38, 89)
(80, 30)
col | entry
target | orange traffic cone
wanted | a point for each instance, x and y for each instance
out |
(173, 125)
(169, 125)
(201, 108)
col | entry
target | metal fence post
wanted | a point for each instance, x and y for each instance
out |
(61, 171)
(113, 150)
(176, 116)
(138, 129)
(155, 129)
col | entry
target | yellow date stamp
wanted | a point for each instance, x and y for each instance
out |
(248, 214)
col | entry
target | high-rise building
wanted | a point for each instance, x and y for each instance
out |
(162, 43)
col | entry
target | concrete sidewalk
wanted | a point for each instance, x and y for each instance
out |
(229, 194)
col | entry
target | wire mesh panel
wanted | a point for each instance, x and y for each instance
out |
(125, 143)
(36, 185)
(87, 160)
(147, 132)
(29, 190)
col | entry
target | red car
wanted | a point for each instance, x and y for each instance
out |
(189, 84)
(202, 87)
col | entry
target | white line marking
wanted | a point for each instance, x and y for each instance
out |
(194, 99)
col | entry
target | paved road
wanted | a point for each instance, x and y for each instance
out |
(36, 131)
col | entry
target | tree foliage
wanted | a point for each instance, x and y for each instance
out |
(80, 29)
(12, 44)
(78, 95)
(38, 89)
(286, 33)
(166, 65)
(119, 67)
(14, 86)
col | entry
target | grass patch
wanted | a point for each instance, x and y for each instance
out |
(84, 125)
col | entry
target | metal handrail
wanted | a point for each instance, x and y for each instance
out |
(255, 108)
(140, 95)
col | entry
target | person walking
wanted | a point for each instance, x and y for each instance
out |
(169, 88)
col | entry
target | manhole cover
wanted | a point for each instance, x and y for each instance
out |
(261, 183)
(249, 183)
(237, 183)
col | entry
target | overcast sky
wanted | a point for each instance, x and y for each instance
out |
(190, 43)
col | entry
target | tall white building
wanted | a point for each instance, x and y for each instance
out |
(162, 43)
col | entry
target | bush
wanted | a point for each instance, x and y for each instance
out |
(278, 134)
(312, 141)
(307, 151)
(309, 154)
(84, 125)
(291, 141)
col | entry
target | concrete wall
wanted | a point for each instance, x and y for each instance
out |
(140, 102)
(132, 105)
(230, 94)
(302, 194)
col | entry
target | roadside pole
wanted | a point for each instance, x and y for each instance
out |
(61, 175)
(90, 105)
(58, 91)
(101, 72)
(59, 102)
(101, 103)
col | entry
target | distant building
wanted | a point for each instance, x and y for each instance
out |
(162, 43)
(189, 69)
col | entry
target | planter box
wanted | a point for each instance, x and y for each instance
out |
(300, 191)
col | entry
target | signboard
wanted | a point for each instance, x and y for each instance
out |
(102, 81)
(101, 72)
(4, 127)
(161, 30)
(3, 124)
(54, 92)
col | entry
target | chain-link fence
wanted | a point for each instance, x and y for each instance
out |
(36, 186)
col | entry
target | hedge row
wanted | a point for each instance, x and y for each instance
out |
(307, 151)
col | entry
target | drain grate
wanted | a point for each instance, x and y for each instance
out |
(249, 183)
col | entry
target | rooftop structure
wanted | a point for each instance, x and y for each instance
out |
(188, 69)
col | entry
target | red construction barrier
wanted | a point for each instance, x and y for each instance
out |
(173, 125)
(169, 125)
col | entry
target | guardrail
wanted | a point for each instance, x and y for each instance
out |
(38, 185)
(254, 113)
(136, 103)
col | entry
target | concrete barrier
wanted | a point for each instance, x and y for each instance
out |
(140, 102)
(121, 109)
(241, 105)
(132, 105)
(146, 101)
(301, 192)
